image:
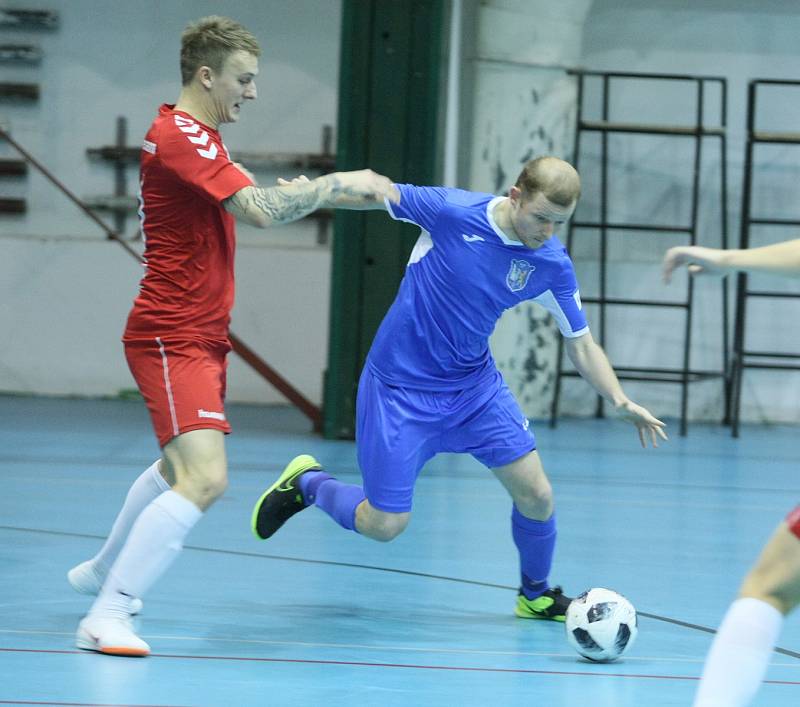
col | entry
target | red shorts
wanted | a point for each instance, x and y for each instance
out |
(182, 382)
(793, 521)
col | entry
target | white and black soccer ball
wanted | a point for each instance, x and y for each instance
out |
(601, 624)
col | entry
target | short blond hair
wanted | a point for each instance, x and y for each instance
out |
(208, 42)
(556, 179)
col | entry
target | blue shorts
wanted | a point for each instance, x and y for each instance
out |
(399, 429)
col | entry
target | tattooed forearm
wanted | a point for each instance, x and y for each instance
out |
(276, 205)
(352, 195)
(266, 206)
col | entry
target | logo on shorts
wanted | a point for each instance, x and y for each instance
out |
(212, 415)
(526, 423)
(518, 274)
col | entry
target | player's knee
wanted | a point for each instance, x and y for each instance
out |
(387, 526)
(535, 500)
(205, 486)
(215, 486)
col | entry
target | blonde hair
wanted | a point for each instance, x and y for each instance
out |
(208, 42)
(556, 179)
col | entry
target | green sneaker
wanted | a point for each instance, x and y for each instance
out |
(552, 605)
(283, 499)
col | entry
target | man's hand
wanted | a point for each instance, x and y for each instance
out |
(644, 422)
(361, 187)
(302, 179)
(700, 261)
(292, 199)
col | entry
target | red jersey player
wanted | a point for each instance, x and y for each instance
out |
(176, 338)
(739, 656)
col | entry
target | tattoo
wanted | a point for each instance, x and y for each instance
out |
(281, 204)
(343, 195)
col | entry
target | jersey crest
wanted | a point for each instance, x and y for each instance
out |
(518, 274)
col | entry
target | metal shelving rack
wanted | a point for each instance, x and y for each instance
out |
(19, 53)
(744, 357)
(684, 374)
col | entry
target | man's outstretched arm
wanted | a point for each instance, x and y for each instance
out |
(290, 201)
(779, 258)
(594, 367)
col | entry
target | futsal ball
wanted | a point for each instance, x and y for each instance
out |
(601, 624)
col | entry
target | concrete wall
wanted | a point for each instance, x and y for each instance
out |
(522, 108)
(737, 40)
(64, 290)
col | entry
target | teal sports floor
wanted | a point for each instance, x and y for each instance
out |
(320, 617)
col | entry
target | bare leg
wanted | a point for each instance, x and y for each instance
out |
(379, 525)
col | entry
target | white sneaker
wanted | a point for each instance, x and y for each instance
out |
(85, 579)
(110, 635)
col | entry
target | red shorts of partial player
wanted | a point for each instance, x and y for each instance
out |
(793, 521)
(182, 382)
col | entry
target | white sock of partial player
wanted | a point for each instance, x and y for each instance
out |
(154, 542)
(739, 655)
(147, 487)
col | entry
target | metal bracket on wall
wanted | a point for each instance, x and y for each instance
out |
(20, 54)
(28, 19)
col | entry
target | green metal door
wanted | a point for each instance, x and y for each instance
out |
(389, 99)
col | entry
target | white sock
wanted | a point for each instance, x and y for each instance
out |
(147, 487)
(154, 542)
(739, 655)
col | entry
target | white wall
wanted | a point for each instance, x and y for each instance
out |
(738, 40)
(64, 290)
(650, 177)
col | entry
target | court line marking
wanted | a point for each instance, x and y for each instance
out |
(353, 565)
(376, 647)
(467, 473)
(408, 666)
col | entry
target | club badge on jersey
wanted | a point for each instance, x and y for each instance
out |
(518, 274)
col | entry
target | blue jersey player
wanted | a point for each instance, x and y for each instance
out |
(430, 384)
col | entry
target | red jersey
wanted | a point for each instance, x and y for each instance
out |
(187, 289)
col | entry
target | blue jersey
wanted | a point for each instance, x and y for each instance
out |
(464, 272)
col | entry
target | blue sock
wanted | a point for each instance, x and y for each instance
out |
(338, 500)
(536, 541)
(309, 484)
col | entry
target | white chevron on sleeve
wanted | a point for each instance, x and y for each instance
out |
(189, 128)
(201, 139)
(210, 153)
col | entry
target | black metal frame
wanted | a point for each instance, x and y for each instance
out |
(684, 374)
(741, 355)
